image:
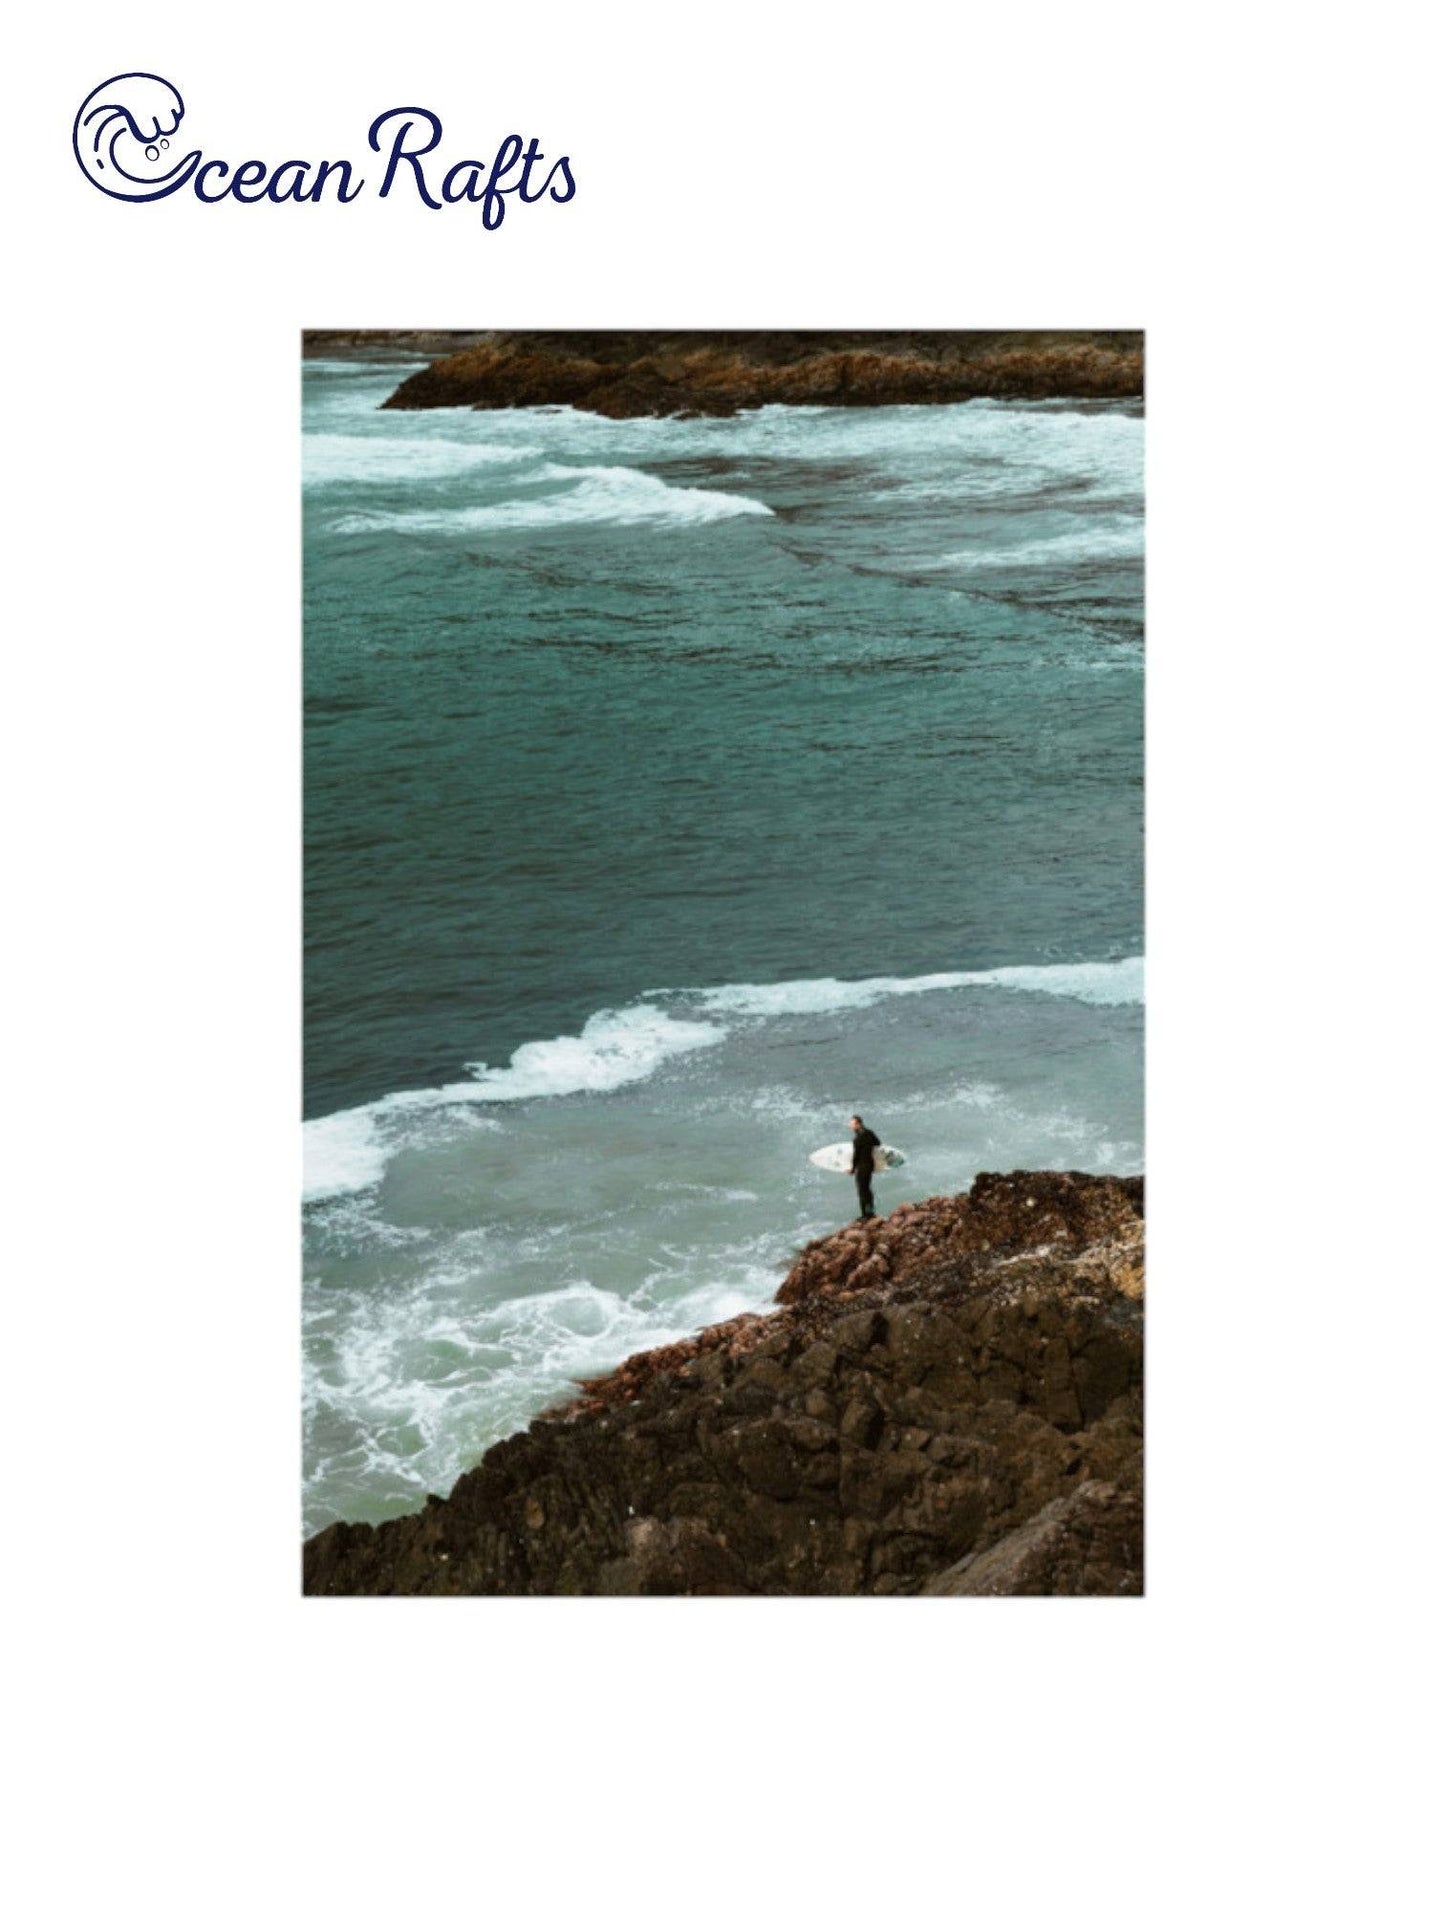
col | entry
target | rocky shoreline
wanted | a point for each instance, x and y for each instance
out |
(709, 372)
(367, 344)
(948, 1401)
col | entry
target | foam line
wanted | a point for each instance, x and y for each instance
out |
(1090, 983)
(328, 459)
(348, 1151)
(614, 497)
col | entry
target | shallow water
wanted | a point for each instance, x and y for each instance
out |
(673, 789)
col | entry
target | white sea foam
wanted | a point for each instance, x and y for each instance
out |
(1116, 539)
(616, 1047)
(327, 459)
(1091, 983)
(618, 497)
(349, 1151)
(409, 1387)
(343, 1152)
(1053, 441)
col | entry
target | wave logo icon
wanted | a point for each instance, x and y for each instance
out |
(123, 134)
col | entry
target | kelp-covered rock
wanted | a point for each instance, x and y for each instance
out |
(707, 372)
(949, 1401)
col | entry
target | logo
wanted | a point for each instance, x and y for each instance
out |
(122, 138)
(126, 138)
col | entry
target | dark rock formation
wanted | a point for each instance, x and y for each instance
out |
(1089, 1541)
(712, 373)
(367, 343)
(949, 1402)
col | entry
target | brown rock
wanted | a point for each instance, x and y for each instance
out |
(1090, 1541)
(971, 1423)
(717, 373)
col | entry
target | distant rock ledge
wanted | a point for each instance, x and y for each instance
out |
(706, 372)
(948, 1402)
(365, 344)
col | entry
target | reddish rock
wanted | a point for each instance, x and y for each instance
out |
(708, 372)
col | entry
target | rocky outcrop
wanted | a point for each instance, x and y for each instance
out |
(364, 343)
(711, 373)
(1090, 1541)
(949, 1401)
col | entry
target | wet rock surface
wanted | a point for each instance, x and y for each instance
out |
(621, 374)
(949, 1402)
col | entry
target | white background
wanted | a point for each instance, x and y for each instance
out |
(196, 1743)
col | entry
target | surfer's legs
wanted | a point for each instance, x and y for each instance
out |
(864, 1182)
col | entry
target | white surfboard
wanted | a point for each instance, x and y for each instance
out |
(839, 1157)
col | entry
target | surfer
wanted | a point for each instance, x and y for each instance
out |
(865, 1143)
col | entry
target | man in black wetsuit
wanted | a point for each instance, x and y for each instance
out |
(865, 1143)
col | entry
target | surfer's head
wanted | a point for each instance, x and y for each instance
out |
(856, 1122)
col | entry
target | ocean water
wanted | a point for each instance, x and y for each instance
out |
(672, 790)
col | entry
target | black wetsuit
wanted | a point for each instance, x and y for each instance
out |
(865, 1143)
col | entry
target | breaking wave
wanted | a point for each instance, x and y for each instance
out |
(1121, 540)
(566, 497)
(1091, 983)
(349, 1151)
(384, 459)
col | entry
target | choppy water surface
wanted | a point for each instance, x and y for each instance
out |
(673, 789)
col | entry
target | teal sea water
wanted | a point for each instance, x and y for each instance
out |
(672, 790)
